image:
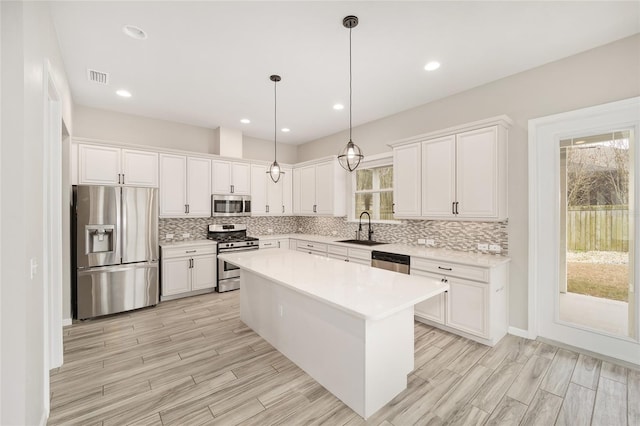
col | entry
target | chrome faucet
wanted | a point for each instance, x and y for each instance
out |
(370, 230)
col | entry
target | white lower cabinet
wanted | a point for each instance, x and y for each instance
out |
(475, 305)
(188, 269)
(311, 247)
(270, 243)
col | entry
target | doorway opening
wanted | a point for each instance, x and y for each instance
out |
(595, 270)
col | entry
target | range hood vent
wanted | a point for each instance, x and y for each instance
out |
(98, 76)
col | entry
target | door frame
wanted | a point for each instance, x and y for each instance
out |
(544, 226)
(52, 225)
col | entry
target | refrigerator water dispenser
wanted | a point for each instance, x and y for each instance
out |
(99, 238)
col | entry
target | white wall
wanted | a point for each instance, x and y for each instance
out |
(260, 149)
(28, 37)
(107, 125)
(604, 74)
(101, 124)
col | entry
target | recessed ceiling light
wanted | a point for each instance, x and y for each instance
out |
(245, 121)
(433, 65)
(123, 93)
(338, 107)
(286, 130)
(134, 32)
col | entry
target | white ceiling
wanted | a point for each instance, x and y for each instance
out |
(208, 63)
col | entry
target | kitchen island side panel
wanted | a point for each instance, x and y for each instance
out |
(364, 363)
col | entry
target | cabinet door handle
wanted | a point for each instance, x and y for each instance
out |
(453, 208)
(232, 189)
(185, 209)
(123, 178)
(267, 208)
(393, 208)
(500, 289)
(457, 207)
(346, 260)
(119, 179)
(188, 208)
(282, 209)
(445, 269)
(314, 208)
(278, 244)
(190, 251)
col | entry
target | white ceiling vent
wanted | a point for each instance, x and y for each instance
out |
(98, 76)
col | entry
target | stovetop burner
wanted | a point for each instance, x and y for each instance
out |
(229, 233)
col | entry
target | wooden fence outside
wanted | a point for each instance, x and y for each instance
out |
(598, 228)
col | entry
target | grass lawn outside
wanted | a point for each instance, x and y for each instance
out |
(609, 281)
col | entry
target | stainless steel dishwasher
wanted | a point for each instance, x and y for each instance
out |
(390, 261)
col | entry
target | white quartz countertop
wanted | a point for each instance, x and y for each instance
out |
(188, 243)
(444, 255)
(360, 290)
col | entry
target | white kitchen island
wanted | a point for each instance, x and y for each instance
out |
(349, 326)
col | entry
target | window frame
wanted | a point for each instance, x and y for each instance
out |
(370, 162)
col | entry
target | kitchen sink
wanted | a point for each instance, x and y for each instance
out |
(362, 242)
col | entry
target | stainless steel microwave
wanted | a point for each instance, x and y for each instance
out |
(230, 205)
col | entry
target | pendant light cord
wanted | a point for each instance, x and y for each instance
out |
(350, 88)
(275, 120)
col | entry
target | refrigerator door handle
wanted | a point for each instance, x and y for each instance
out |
(123, 226)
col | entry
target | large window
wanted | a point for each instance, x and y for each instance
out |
(374, 192)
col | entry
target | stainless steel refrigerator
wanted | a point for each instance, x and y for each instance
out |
(114, 250)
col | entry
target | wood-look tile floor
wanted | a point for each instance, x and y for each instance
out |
(192, 361)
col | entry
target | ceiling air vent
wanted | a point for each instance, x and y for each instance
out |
(98, 76)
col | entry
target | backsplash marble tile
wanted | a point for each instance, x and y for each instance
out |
(453, 235)
(197, 227)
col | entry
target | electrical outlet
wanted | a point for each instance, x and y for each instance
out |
(422, 241)
(431, 243)
(169, 236)
(483, 247)
(186, 235)
(495, 248)
(281, 310)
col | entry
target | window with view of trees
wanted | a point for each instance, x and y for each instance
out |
(374, 192)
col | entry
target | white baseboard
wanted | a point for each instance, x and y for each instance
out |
(43, 419)
(66, 322)
(519, 332)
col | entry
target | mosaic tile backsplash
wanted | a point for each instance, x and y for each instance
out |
(453, 235)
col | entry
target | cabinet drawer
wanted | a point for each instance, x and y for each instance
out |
(311, 251)
(185, 251)
(361, 254)
(450, 269)
(267, 244)
(338, 250)
(310, 245)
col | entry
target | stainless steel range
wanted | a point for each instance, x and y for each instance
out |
(230, 238)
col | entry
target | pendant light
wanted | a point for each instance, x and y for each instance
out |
(274, 169)
(351, 155)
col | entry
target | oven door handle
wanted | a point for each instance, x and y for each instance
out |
(223, 251)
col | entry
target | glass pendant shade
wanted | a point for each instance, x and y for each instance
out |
(275, 171)
(350, 156)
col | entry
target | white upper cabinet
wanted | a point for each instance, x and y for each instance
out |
(258, 190)
(105, 165)
(478, 189)
(185, 189)
(198, 186)
(269, 198)
(230, 177)
(307, 191)
(406, 181)
(319, 189)
(458, 173)
(439, 176)
(173, 185)
(287, 191)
